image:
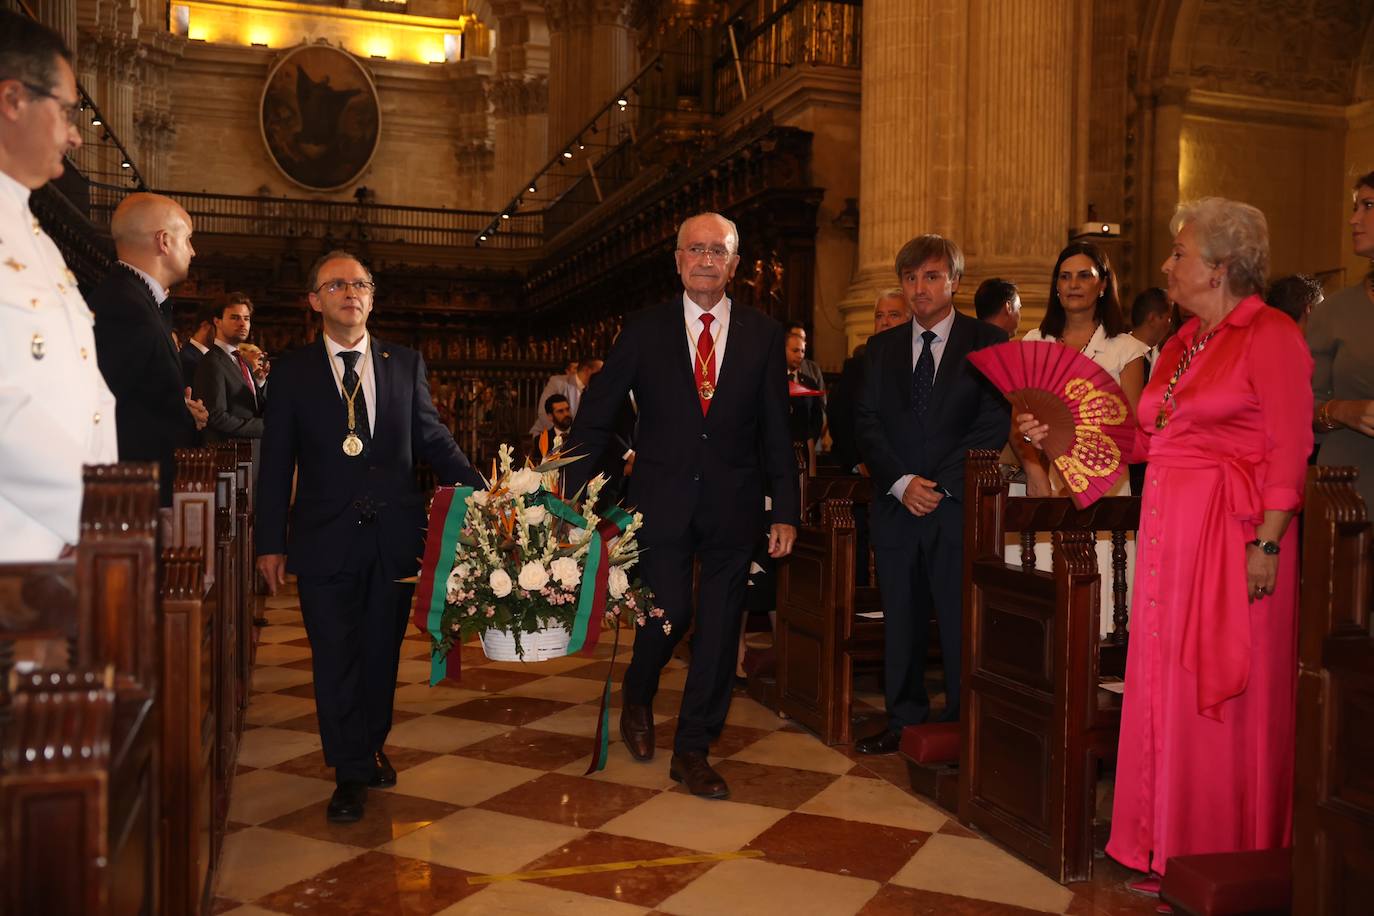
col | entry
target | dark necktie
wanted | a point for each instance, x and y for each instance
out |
(247, 374)
(351, 383)
(923, 376)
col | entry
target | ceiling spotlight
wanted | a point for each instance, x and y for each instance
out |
(622, 101)
(96, 122)
(533, 189)
(482, 237)
(505, 216)
(567, 154)
(126, 164)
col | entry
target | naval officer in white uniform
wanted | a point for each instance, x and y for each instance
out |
(56, 413)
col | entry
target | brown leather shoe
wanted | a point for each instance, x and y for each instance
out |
(691, 769)
(637, 728)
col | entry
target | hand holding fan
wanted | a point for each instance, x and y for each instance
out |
(1089, 420)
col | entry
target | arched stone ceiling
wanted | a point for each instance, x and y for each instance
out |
(1295, 50)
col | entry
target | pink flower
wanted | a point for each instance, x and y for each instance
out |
(491, 612)
(667, 628)
(656, 612)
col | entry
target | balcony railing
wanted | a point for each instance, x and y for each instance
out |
(778, 35)
(285, 217)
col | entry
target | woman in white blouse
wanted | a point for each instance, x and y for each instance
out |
(1084, 312)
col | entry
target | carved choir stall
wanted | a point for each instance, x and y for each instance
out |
(125, 675)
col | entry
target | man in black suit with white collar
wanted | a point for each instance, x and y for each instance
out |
(350, 415)
(223, 381)
(710, 381)
(921, 408)
(154, 412)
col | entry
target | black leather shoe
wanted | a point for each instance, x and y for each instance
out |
(691, 769)
(637, 728)
(383, 773)
(884, 742)
(346, 804)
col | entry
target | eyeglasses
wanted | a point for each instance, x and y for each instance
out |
(72, 110)
(360, 287)
(700, 251)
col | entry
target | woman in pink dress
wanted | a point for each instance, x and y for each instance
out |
(1205, 761)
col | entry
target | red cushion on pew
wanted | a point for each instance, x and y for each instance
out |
(934, 742)
(1227, 883)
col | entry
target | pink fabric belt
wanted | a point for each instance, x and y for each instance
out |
(1216, 620)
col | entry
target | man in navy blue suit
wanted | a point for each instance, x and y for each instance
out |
(350, 415)
(710, 381)
(921, 408)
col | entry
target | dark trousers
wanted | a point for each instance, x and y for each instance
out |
(667, 570)
(355, 620)
(924, 572)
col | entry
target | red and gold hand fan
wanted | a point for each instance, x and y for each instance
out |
(798, 390)
(1091, 427)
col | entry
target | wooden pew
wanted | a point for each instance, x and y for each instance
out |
(1036, 721)
(1333, 805)
(821, 636)
(80, 638)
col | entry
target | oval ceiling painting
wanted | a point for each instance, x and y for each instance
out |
(320, 117)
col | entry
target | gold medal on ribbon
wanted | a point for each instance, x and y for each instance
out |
(352, 445)
(706, 390)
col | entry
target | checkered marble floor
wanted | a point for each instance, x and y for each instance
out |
(490, 784)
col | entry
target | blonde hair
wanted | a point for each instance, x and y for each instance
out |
(1230, 233)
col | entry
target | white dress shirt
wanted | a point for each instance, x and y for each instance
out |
(199, 346)
(364, 369)
(159, 291)
(233, 353)
(720, 329)
(937, 351)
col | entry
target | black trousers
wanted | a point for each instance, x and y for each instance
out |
(924, 572)
(667, 570)
(355, 620)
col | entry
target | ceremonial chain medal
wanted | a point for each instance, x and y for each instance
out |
(1168, 405)
(352, 443)
(706, 389)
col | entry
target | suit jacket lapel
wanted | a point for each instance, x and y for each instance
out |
(674, 332)
(735, 341)
(385, 378)
(951, 361)
(899, 368)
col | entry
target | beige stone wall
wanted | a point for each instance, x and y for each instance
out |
(430, 114)
(1288, 170)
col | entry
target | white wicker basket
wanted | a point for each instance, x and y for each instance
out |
(550, 642)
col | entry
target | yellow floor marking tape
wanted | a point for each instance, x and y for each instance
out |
(617, 866)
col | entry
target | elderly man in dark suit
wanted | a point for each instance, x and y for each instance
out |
(350, 415)
(154, 412)
(921, 408)
(710, 381)
(224, 381)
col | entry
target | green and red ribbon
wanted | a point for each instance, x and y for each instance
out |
(447, 514)
(446, 518)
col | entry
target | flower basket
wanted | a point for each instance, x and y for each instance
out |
(541, 645)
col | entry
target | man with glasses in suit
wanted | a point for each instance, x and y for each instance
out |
(350, 415)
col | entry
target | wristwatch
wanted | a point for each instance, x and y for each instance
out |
(1269, 547)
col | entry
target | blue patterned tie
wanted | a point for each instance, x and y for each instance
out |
(923, 376)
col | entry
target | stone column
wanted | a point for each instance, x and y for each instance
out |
(591, 57)
(519, 96)
(969, 128)
(911, 136)
(60, 16)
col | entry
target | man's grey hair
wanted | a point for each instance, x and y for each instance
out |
(734, 230)
(338, 254)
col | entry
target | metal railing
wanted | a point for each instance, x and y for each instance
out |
(790, 34)
(286, 217)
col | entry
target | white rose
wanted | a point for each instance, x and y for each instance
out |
(525, 481)
(462, 571)
(566, 571)
(479, 497)
(533, 576)
(617, 581)
(579, 535)
(500, 583)
(535, 516)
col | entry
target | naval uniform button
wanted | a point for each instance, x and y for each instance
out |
(36, 346)
(96, 419)
(84, 354)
